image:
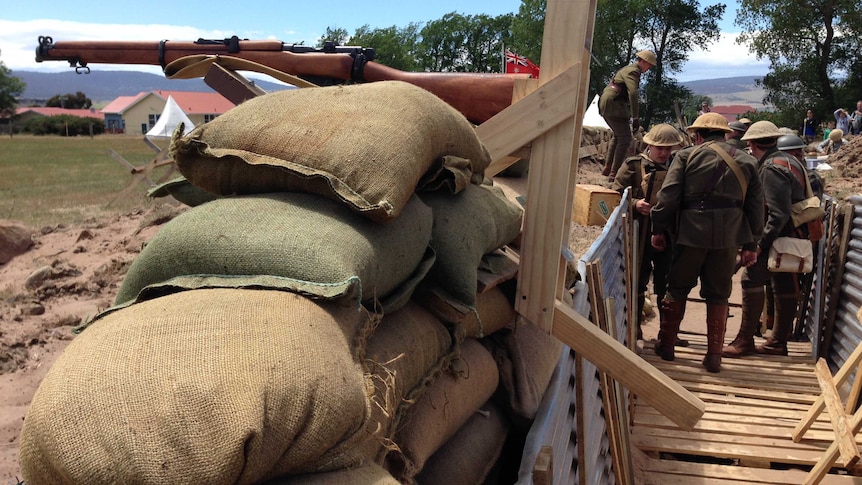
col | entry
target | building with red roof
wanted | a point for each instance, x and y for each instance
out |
(733, 112)
(137, 114)
(22, 115)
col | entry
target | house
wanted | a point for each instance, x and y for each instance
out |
(22, 115)
(137, 114)
(733, 112)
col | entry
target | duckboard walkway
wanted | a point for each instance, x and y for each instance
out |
(752, 406)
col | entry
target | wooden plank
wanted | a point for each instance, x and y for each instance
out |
(522, 122)
(847, 448)
(670, 471)
(641, 378)
(232, 85)
(566, 44)
(543, 471)
(840, 378)
(832, 454)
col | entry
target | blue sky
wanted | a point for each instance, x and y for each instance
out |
(292, 22)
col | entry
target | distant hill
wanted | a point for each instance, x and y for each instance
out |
(105, 86)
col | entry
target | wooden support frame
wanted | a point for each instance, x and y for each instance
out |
(547, 217)
(844, 446)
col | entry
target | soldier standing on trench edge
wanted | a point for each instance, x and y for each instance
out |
(619, 102)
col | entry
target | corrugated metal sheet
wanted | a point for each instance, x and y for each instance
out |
(556, 423)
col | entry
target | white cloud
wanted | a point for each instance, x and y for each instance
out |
(724, 58)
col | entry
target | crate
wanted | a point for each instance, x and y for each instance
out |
(593, 204)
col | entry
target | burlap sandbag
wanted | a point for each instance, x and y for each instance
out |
(526, 357)
(468, 456)
(183, 191)
(494, 310)
(302, 242)
(366, 145)
(368, 474)
(442, 410)
(207, 386)
(408, 350)
(468, 225)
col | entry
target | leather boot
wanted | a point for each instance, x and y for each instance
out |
(752, 307)
(671, 316)
(785, 314)
(716, 323)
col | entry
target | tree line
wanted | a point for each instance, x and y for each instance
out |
(814, 48)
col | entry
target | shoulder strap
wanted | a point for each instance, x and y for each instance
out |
(734, 167)
(803, 178)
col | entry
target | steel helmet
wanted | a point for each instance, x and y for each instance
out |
(761, 130)
(663, 135)
(745, 121)
(737, 126)
(647, 56)
(790, 142)
(710, 121)
(836, 135)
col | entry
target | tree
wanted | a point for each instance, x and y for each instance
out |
(393, 46)
(333, 34)
(528, 27)
(672, 29)
(442, 42)
(78, 100)
(485, 38)
(812, 46)
(10, 88)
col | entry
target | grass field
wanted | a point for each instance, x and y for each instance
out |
(48, 180)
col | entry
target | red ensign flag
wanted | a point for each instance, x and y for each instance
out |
(516, 64)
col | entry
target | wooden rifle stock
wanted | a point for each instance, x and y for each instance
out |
(478, 96)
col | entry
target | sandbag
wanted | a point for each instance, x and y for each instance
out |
(468, 456)
(294, 241)
(213, 386)
(407, 351)
(441, 411)
(365, 145)
(467, 226)
(526, 357)
(367, 474)
(183, 191)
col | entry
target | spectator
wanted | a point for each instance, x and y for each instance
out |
(856, 119)
(842, 121)
(833, 144)
(809, 127)
(704, 108)
(829, 127)
(618, 102)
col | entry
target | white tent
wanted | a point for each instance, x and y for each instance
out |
(170, 118)
(592, 116)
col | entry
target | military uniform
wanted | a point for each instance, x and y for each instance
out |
(783, 180)
(737, 143)
(619, 102)
(701, 202)
(645, 177)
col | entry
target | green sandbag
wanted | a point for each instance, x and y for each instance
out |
(294, 241)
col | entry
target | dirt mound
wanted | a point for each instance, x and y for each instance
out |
(844, 178)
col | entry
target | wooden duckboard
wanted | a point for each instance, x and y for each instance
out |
(752, 408)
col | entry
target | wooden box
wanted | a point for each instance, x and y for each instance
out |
(593, 204)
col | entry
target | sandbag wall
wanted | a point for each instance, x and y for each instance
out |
(317, 318)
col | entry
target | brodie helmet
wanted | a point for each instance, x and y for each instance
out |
(663, 135)
(836, 135)
(647, 56)
(790, 142)
(760, 130)
(710, 121)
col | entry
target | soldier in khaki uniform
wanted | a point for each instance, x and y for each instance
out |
(733, 138)
(784, 182)
(645, 174)
(619, 102)
(711, 203)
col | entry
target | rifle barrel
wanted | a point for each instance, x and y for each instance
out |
(479, 96)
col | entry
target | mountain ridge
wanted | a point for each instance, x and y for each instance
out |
(103, 87)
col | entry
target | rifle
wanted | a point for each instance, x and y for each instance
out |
(478, 96)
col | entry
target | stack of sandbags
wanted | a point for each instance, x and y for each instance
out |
(311, 318)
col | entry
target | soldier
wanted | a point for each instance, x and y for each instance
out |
(645, 174)
(713, 202)
(618, 102)
(793, 145)
(783, 180)
(733, 137)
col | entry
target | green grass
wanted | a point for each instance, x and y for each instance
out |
(49, 180)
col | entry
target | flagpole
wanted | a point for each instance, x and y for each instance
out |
(502, 57)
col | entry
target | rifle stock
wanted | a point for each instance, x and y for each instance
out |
(478, 96)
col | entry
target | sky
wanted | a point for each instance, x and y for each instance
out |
(22, 22)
